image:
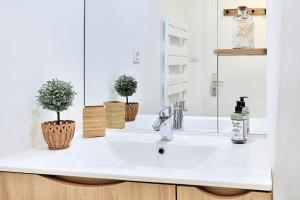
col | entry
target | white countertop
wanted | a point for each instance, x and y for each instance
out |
(190, 159)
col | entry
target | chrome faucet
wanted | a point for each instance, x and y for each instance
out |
(164, 124)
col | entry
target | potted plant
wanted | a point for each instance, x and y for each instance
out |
(126, 86)
(58, 96)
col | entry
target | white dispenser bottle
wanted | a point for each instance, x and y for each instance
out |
(239, 129)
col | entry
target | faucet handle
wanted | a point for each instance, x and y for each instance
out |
(165, 112)
(180, 104)
(164, 115)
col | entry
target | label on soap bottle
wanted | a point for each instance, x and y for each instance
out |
(238, 129)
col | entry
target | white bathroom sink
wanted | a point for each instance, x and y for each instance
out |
(162, 154)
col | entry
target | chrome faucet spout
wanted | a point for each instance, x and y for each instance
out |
(164, 124)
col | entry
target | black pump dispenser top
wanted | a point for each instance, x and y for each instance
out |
(239, 107)
(243, 101)
(243, 98)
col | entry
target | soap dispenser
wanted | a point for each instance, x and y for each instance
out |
(246, 112)
(239, 129)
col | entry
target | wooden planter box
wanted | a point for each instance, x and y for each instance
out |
(94, 122)
(115, 114)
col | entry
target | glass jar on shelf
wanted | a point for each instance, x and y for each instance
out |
(243, 29)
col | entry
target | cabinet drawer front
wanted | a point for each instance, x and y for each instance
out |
(15, 186)
(194, 193)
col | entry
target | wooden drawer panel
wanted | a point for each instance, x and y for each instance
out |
(194, 193)
(14, 186)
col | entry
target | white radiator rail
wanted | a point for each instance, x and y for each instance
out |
(175, 55)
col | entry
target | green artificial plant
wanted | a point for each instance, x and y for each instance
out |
(126, 86)
(56, 95)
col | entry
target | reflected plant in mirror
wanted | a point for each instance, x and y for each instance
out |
(126, 86)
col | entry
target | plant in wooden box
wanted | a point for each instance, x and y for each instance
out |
(126, 86)
(58, 96)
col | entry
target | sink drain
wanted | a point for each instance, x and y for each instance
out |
(161, 150)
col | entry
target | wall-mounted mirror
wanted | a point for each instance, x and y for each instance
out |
(169, 47)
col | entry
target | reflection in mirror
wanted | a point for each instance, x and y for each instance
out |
(168, 47)
(243, 75)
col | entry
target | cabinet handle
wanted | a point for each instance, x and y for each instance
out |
(227, 193)
(82, 182)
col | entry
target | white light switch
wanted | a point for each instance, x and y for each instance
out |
(136, 56)
(194, 57)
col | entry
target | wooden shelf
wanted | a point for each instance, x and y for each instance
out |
(251, 11)
(241, 52)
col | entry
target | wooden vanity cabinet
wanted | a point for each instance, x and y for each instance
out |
(14, 186)
(195, 193)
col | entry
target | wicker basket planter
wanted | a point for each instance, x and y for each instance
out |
(58, 136)
(131, 111)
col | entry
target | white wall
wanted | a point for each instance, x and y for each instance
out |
(283, 101)
(39, 40)
(114, 28)
(194, 11)
(201, 18)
